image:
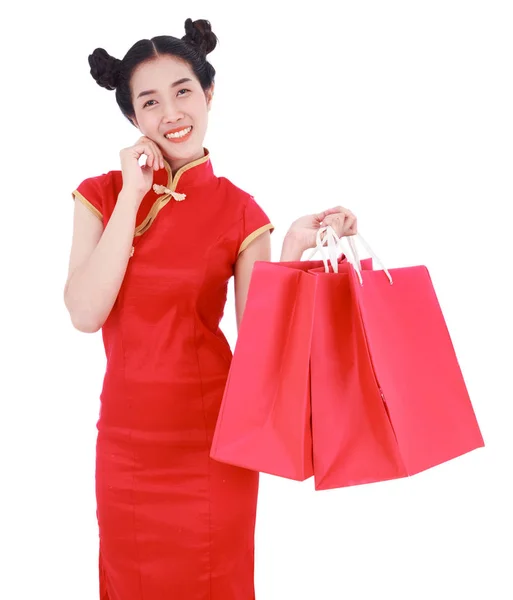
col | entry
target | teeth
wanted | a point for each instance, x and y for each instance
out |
(179, 134)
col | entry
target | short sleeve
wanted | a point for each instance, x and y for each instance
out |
(254, 222)
(90, 193)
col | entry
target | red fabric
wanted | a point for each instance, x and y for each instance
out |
(173, 523)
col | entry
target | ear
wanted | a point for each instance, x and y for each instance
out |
(134, 122)
(210, 95)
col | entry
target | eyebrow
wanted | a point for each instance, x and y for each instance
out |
(175, 84)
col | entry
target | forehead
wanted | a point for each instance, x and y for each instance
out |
(159, 73)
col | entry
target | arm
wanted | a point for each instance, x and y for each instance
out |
(98, 262)
(292, 249)
(259, 249)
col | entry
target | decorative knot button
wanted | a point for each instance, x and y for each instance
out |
(162, 189)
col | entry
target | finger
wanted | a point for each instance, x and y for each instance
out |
(352, 231)
(147, 150)
(322, 215)
(349, 225)
(344, 211)
(345, 223)
(337, 222)
(330, 221)
(159, 157)
(149, 154)
(155, 159)
(144, 141)
(331, 211)
(141, 149)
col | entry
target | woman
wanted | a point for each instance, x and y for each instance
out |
(153, 250)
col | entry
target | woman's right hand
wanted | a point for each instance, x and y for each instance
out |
(136, 178)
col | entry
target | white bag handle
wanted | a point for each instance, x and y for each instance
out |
(332, 249)
(352, 256)
(372, 253)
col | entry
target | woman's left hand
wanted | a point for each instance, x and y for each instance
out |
(304, 230)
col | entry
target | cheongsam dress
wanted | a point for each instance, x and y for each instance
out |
(174, 524)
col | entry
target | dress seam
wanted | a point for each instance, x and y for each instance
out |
(132, 491)
(208, 462)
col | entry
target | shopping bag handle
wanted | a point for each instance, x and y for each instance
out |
(353, 256)
(334, 242)
(332, 250)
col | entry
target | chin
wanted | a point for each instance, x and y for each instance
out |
(184, 151)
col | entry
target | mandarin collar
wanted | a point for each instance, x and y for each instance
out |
(193, 174)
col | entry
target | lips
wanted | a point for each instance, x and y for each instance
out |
(177, 129)
(180, 138)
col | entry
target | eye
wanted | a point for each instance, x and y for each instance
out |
(183, 90)
(147, 103)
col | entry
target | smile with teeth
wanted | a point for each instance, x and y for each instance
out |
(178, 134)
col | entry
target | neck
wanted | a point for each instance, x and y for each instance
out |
(178, 163)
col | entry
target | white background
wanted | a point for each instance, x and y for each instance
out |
(399, 110)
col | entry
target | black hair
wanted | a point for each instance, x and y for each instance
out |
(114, 74)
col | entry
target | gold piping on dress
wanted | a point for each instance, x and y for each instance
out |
(76, 194)
(161, 201)
(254, 235)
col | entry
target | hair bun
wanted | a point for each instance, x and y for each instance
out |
(199, 34)
(105, 69)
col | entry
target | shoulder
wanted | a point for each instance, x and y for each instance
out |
(232, 190)
(249, 218)
(238, 198)
(99, 193)
(103, 182)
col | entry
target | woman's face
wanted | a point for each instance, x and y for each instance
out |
(171, 108)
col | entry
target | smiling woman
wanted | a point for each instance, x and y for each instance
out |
(154, 248)
(173, 523)
(163, 86)
(176, 114)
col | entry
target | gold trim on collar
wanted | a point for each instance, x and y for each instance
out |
(172, 182)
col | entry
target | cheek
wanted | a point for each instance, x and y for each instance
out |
(199, 106)
(201, 114)
(147, 116)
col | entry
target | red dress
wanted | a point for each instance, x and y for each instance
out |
(173, 523)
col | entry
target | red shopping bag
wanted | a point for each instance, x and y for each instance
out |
(264, 419)
(264, 422)
(353, 440)
(388, 396)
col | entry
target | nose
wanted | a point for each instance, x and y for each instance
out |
(171, 113)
